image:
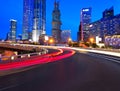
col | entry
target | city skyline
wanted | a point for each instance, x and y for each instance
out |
(70, 14)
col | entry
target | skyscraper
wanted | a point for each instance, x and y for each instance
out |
(79, 37)
(27, 18)
(39, 19)
(108, 25)
(85, 20)
(13, 28)
(56, 23)
(108, 13)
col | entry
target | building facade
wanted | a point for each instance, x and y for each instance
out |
(27, 18)
(39, 19)
(65, 35)
(13, 29)
(108, 25)
(56, 23)
(79, 35)
(85, 20)
(113, 41)
(34, 19)
(108, 13)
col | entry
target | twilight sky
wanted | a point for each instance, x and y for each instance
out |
(70, 13)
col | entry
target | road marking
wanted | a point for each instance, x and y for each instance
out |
(113, 59)
(117, 54)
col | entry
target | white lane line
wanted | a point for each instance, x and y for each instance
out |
(113, 59)
(101, 55)
(99, 51)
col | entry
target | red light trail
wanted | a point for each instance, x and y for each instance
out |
(38, 60)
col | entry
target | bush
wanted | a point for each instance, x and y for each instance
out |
(87, 44)
(75, 44)
(94, 45)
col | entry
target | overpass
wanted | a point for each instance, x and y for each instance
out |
(19, 48)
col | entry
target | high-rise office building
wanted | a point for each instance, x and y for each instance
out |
(39, 19)
(85, 20)
(65, 35)
(13, 28)
(27, 18)
(108, 13)
(108, 25)
(56, 23)
(79, 35)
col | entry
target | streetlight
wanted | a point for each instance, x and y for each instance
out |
(91, 40)
(51, 41)
(70, 42)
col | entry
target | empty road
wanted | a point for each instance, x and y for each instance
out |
(80, 72)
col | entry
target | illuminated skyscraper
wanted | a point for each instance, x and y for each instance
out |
(56, 23)
(13, 28)
(27, 18)
(85, 20)
(108, 25)
(39, 19)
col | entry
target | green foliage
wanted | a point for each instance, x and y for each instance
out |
(70, 43)
(94, 45)
(87, 44)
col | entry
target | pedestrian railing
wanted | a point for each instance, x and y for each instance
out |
(22, 57)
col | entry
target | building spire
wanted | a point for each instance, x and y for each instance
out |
(56, 4)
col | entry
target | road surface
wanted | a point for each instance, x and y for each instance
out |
(80, 72)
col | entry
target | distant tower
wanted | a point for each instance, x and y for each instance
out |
(85, 20)
(79, 34)
(27, 18)
(65, 35)
(13, 28)
(56, 23)
(39, 19)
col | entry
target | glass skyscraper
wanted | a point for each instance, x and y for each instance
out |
(13, 28)
(27, 18)
(34, 19)
(39, 19)
(85, 20)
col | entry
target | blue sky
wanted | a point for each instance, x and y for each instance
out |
(70, 13)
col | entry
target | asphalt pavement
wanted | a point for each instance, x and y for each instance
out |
(80, 72)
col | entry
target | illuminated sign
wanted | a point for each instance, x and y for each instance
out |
(85, 9)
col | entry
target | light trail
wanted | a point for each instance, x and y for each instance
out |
(38, 60)
(99, 51)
